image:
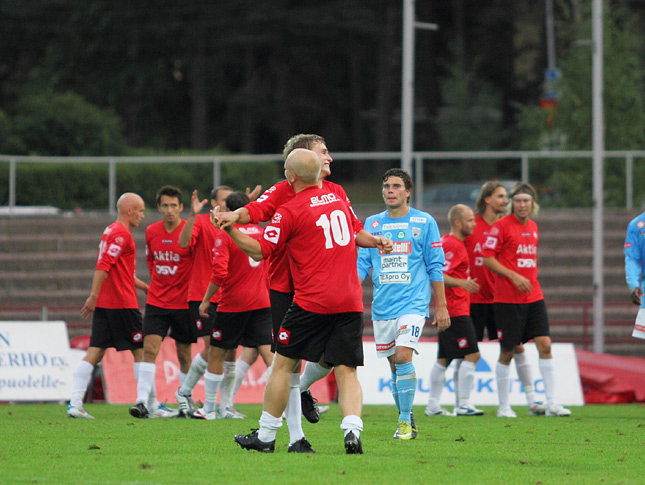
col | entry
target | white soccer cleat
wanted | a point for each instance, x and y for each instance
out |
(437, 411)
(229, 413)
(164, 412)
(185, 403)
(200, 414)
(323, 408)
(537, 409)
(506, 412)
(557, 411)
(467, 410)
(74, 412)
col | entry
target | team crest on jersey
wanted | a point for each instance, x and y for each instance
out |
(277, 217)
(375, 224)
(284, 336)
(272, 234)
(198, 324)
(640, 224)
(416, 231)
(217, 334)
(137, 337)
(218, 242)
(494, 231)
(462, 342)
(450, 255)
(118, 240)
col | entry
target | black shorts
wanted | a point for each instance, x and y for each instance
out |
(157, 321)
(483, 317)
(118, 328)
(518, 323)
(202, 326)
(307, 335)
(249, 329)
(458, 340)
(280, 303)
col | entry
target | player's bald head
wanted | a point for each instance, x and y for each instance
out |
(305, 164)
(457, 212)
(128, 200)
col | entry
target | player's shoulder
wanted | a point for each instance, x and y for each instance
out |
(637, 222)
(375, 220)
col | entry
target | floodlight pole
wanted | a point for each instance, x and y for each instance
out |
(598, 143)
(407, 82)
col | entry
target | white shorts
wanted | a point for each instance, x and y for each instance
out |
(398, 332)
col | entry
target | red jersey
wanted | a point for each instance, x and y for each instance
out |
(484, 276)
(315, 229)
(169, 266)
(515, 246)
(117, 256)
(202, 240)
(262, 209)
(244, 282)
(457, 266)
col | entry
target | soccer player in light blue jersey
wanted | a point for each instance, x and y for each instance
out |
(403, 281)
(635, 269)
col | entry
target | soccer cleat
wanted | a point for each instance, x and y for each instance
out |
(506, 412)
(229, 413)
(323, 409)
(201, 414)
(557, 411)
(415, 430)
(353, 445)
(74, 412)
(252, 442)
(467, 410)
(139, 410)
(437, 412)
(301, 446)
(185, 403)
(537, 409)
(309, 407)
(164, 412)
(403, 431)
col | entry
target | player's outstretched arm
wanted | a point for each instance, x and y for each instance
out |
(195, 208)
(255, 193)
(366, 240)
(246, 243)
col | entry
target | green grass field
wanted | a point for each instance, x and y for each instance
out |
(597, 444)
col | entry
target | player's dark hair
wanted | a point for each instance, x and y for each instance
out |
(302, 140)
(217, 189)
(235, 200)
(402, 174)
(170, 191)
(486, 191)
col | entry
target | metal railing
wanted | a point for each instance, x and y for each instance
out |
(524, 158)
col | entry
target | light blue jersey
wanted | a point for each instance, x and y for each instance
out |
(402, 278)
(635, 254)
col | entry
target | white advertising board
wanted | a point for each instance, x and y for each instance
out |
(375, 376)
(35, 361)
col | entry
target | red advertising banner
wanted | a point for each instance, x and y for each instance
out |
(121, 386)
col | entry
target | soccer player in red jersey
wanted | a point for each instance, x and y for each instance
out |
(166, 305)
(459, 341)
(490, 206)
(113, 303)
(520, 312)
(316, 229)
(243, 313)
(301, 401)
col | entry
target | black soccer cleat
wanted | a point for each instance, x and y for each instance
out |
(252, 442)
(353, 445)
(139, 410)
(301, 446)
(309, 407)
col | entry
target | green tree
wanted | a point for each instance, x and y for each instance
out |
(61, 124)
(570, 126)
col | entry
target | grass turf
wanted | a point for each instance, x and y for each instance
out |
(597, 444)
